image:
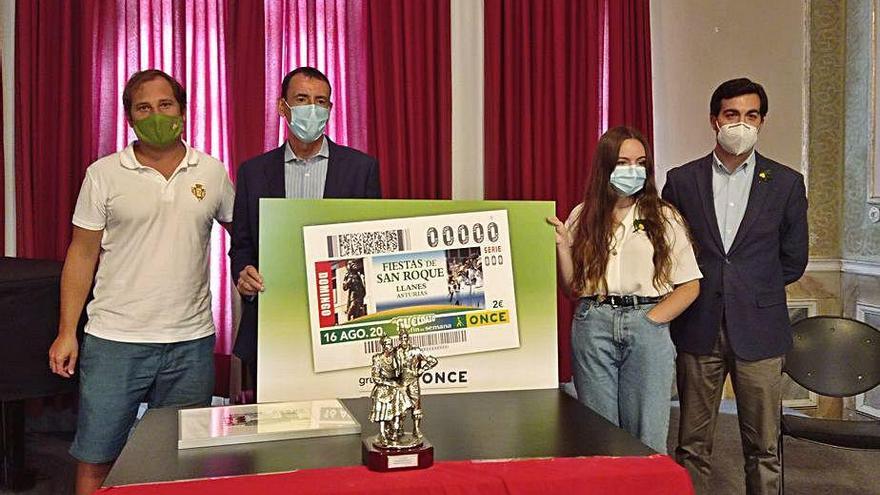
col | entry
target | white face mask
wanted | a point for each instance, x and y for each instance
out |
(628, 179)
(737, 138)
(307, 122)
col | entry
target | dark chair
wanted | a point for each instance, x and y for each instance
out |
(835, 357)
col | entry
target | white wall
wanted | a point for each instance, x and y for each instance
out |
(698, 44)
(7, 58)
(467, 99)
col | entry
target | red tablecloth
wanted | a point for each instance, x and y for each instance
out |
(656, 474)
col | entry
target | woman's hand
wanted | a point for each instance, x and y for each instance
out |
(563, 236)
(675, 302)
(653, 319)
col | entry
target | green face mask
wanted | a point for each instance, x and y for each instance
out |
(158, 129)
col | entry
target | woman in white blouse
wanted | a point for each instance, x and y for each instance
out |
(626, 254)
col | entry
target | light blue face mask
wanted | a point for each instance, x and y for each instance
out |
(307, 122)
(628, 179)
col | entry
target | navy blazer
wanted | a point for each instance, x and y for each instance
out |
(350, 174)
(745, 286)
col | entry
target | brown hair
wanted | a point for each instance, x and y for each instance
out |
(138, 78)
(595, 226)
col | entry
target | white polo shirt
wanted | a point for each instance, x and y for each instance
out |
(630, 268)
(152, 281)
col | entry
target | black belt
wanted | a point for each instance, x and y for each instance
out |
(624, 301)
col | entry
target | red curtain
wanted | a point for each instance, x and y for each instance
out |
(53, 124)
(70, 58)
(246, 127)
(327, 35)
(410, 96)
(629, 66)
(542, 66)
(557, 74)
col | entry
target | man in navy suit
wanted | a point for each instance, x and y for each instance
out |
(748, 218)
(308, 165)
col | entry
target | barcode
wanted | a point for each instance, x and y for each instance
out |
(422, 340)
(363, 243)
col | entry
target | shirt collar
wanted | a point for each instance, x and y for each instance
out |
(748, 164)
(290, 156)
(627, 221)
(129, 160)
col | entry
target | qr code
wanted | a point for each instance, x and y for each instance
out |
(364, 243)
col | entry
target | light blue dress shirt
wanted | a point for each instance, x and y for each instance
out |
(731, 193)
(305, 179)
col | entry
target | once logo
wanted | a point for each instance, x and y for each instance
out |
(451, 377)
(488, 318)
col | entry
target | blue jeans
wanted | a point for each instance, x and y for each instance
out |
(115, 377)
(624, 365)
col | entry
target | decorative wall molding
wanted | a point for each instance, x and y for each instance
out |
(859, 267)
(825, 265)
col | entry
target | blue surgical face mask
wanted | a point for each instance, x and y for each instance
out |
(628, 179)
(307, 122)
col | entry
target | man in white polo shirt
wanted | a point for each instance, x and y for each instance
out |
(144, 215)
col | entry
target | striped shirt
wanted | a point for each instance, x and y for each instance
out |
(304, 179)
(731, 191)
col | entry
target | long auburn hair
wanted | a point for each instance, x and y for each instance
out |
(595, 225)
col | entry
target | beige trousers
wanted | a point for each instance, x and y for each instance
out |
(758, 388)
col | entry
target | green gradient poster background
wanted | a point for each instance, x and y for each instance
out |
(286, 370)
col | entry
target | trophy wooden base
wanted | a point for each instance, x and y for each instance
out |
(381, 459)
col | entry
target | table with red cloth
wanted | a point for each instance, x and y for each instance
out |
(526, 441)
(657, 474)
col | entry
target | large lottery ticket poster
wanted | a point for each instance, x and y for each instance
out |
(473, 281)
(447, 279)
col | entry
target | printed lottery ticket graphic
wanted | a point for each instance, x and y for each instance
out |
(447, 279)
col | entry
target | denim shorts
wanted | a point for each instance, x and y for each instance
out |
(115, 377)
